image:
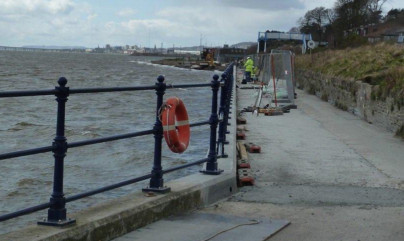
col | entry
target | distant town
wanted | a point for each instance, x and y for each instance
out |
(127, 49)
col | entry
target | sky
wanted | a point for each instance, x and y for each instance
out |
(93, 23)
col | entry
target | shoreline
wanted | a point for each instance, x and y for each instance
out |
(189, 64)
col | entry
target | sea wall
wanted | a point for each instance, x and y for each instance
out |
(361, 99)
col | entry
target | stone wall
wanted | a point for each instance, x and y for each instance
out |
(355, 97)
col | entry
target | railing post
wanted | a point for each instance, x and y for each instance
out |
(211, 165)
(230, 80)
(57, 210)
(222, 110)
(227, 106)
(157, 181)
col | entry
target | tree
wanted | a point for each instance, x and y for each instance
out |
(374, 8)
(353, 13)
(315, 21)
(395, 15)
(294, 30)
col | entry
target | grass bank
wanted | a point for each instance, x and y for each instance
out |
(380, 65)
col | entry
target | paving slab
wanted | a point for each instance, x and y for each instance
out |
(204, 226)
(323, 223)
(318, 144)
(334, 176)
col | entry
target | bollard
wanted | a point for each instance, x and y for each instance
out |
(57, 210)
(156, 180)
(211, 164)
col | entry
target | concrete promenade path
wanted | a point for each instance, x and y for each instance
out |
(332, 175)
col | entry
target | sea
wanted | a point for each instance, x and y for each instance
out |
(30, 122)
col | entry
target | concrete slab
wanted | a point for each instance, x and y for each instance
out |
(320, 223)
(324, 195)
(205, 226)
(309, 147)
(375, 145)
(334, 176)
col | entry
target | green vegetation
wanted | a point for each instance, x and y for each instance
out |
(381, 65)
(353, 40)
(340, 105)
(400, 132)
(324, 97)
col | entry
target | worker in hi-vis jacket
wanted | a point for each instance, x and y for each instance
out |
(249, 66)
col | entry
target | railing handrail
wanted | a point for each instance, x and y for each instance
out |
(93, 141)
(24, 93)
(56, 205)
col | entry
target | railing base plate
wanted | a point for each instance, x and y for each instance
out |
(60, 223)
(157, 190)
(216, 172)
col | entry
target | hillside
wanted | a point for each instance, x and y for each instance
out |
(381, 64)
(243, 45)
(53, 47)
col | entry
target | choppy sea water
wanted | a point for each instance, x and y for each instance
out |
(30, 122)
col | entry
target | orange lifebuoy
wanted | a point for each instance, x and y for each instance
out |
(174, 118)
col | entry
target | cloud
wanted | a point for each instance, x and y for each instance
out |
(126, 12)
(185, 24)
(179, 22)
(92, 16)
(43, 21)
(310, 4)
(32, 7)
(251, 4)
(264, 4)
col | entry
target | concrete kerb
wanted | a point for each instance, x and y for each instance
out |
(117, 217)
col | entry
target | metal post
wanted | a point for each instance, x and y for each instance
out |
(157, 181)
(211, 165)
(230, 94)
(229, 99)
(222, 134)
(227, 108)
(273, 78)
(57, 210)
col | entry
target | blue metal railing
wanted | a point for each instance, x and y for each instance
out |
(57, 204)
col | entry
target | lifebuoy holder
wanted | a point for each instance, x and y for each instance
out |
(176, 130)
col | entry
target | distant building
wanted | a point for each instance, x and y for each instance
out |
(98, 50)
(118, 48)
(378, 32)
(225, 54)
(187, 52)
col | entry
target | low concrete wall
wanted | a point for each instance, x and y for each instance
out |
(115, 218)
(355, 97)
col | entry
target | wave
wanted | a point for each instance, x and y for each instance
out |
(21, 125)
